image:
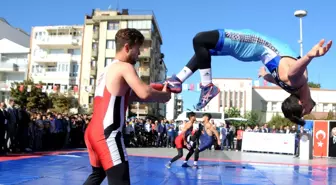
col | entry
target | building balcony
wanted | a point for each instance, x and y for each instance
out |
(95, 35)
(94, 52)
(59, 41)
(143, 109)
(53, 58)
(144, 72)
(93, 71)
(51, 75)
(12, 66)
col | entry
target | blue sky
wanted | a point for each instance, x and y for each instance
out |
(179, 21)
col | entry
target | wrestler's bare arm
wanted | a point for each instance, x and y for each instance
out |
(142, 90)
(214, 131)
(268, 77)
(185, 128)
(296, 71)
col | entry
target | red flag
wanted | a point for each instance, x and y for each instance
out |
(21, 88)
(55, 88)
(75, 88)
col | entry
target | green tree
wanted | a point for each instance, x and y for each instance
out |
(233, 112)
(278, 121)
(253, 117)
(33, 99)
(314, 85)
(331, 116)
(62, 103)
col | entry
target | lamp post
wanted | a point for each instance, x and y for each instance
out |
(300, 14)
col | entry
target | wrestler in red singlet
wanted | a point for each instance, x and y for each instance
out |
(180, 140)
(103, 137)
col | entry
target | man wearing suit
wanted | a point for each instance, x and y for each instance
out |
(3, 128)
(12, 124)
(161, 129)
(332, 143)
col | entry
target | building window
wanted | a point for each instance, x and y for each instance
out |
(139, 24)
(95, 28)
(90, 99)
(333, 107)
(94, 46)
(93, 64)
(263, 105)
(325, 107)
(108, 61)
(241, 99)
(92, 81)
(113, 25)
(274, 106)
(110, 44)
(221, 99)
(237, 105)
(231, 98)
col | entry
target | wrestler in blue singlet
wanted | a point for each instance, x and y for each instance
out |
(248, 46)
(206, 141)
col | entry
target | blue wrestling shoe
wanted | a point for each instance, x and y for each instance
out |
(185, 165)
(174, 85)
(208, 92)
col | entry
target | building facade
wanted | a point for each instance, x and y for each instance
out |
(14, 50)
(265, 100)
(235, 92)
(99, 50)
(174, 106)
(268, 100)
(55, 57)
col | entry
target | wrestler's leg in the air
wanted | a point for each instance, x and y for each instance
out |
(204, 43)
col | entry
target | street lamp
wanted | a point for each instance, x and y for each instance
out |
(300, 14)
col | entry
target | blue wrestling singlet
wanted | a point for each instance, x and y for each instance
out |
(206, 141)
(247, 46)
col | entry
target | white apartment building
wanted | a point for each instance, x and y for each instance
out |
(56, 57)
(266, 100)
(14, 50)
(174, 106)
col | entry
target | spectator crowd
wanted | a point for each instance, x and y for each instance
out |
(26, 131)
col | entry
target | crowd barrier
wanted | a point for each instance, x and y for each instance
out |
(268, 142)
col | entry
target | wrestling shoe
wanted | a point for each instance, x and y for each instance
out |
(168, 165)
(185, 165)
(208, 92)
(174, 85)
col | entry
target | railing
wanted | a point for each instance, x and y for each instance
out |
(14, 66)
(54, 58)
(59, 39)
